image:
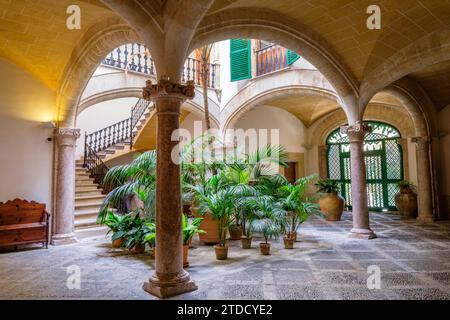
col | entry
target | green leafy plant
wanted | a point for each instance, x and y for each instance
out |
(150, 234)
(118, 224)
(292, 199)
(137, 232)
(135, 179)
(405, 184)
(270, 217)
(220, 206)
(190, 229)
(327, 186)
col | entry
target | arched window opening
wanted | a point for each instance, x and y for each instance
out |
(384, 165)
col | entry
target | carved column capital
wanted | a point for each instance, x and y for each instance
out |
(67, 136)
(421, 142)
(166, 88)
(357, 131)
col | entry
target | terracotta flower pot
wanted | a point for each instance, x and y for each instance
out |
(332, 205)
(235, 232)
(221, 252)
(289, 242)
(246, 242)
(118, 243)
(209, 225)
(406, 203)
(185, 256)
(139, 248)
(264, 248)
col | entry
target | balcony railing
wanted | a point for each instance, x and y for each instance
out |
(136, 57)
(270, 59)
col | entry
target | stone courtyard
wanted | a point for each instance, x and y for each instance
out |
(414, 260)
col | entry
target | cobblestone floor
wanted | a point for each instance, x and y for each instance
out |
(414, 261)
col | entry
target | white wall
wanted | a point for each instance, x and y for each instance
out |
(292, 132)
(102, 115)
(25, 156)
(230, 89)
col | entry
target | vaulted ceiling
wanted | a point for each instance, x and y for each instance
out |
(33, 34)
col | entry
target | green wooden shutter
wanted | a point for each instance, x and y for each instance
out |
(240, 59)
(292, 57)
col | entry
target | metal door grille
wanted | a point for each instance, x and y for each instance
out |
(383, 160)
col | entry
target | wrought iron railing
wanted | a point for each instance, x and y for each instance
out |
(109, 136)
(136, 57)
(95, 165)
(119, 132)
(270, 59)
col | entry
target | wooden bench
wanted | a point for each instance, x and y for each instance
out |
(23, 222)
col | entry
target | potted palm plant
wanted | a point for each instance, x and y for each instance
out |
(219, 205)
(292, 200)
(270, 222)
(190, 229)
(406, 200)
(330, 202)
(247, 229)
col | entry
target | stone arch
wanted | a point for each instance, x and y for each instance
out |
(417, 103)
(271, 26)
(292, 82)
(99, 40)
(393, 115)
(429, 50)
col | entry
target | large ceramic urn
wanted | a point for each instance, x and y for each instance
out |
(209, 225)
(332, 205)
(406, 202)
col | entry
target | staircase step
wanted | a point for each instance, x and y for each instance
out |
(91, 232)
(84, 183)
(87, 188)
(90, 197)
(86, 222)
(85, 177)
(93, 204)
(81, 213)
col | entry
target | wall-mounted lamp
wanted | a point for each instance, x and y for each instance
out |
(49, 125)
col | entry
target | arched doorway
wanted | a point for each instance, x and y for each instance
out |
(384, 164)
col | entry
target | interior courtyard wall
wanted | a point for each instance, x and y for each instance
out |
(26, 156)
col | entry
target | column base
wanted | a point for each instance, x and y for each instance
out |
(63, 239)
(366, 234)
(171, 286)
(425, 219)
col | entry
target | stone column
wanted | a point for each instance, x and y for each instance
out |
(169, 279)
(65, 187)
(323, 151)
(360, 212)
(424, 189)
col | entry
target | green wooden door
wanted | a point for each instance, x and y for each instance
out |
(384, 165)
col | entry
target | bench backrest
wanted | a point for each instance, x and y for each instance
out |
(21, 211)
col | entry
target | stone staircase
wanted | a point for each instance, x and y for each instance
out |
(88, 199)
(88, 194)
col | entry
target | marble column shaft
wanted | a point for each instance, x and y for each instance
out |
(65, 186)
(169, 279)
(360, 208)
(424, 187)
